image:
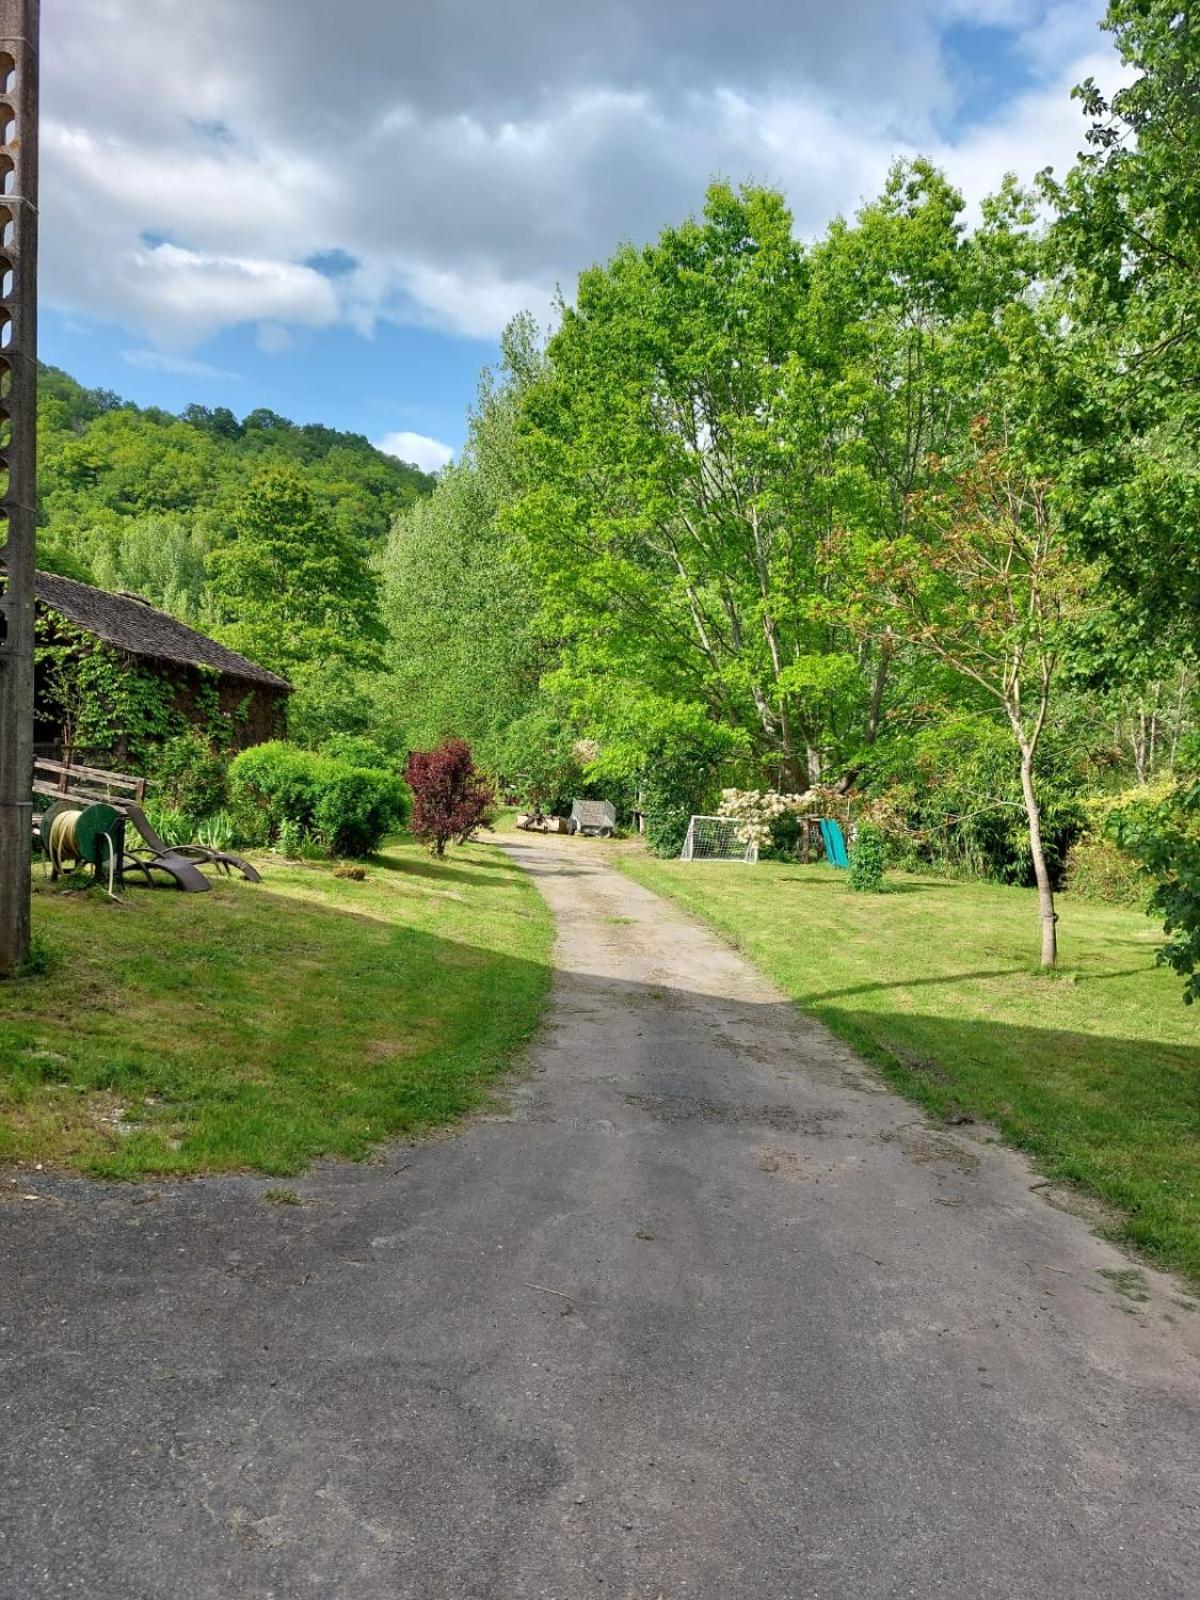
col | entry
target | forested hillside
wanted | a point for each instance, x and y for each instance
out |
(135, 498)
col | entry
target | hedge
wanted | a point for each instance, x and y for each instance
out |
(345, 808)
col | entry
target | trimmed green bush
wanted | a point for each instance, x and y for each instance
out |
(868, 859)
(348, 809)
(356, 807)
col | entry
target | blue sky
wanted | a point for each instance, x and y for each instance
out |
(235, 217)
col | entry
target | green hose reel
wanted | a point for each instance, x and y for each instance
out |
(96, 835)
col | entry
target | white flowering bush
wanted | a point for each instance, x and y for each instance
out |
(755, 810)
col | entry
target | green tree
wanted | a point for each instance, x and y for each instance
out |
(1126, 243)
(465, 655)
(717, 406)
(163, 558)
(111, 473)
(291, 591)
(1127, 246)
(986, 584)
(907, 310)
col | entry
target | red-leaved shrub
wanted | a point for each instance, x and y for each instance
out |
(451, 797)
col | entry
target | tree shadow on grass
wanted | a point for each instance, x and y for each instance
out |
(952, 978)
(891, 887)
(1117, 1115)
(911, 983)
(271, 1029)
(432, 867)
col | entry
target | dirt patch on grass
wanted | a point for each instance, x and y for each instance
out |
(1093, 1210)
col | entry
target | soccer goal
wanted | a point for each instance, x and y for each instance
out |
(716, 839)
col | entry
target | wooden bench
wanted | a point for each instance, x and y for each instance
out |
(64, 780)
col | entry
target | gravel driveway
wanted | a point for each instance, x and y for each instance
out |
(699, 1312)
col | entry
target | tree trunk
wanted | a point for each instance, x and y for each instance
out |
(1046, 911)
(877, 688)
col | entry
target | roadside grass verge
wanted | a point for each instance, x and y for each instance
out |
(262, 1026)
(1095, 1070)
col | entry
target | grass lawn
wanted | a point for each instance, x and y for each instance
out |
(261, 1026)
(1095, 1071)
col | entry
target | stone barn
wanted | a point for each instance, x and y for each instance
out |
(142, 670)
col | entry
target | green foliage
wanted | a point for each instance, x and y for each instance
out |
(290, 839)
(291, 589)
(955, 790)
(161, 558)
(110, 473)
(348, 809)
(1127, 246)
(356, 750)
(681, 779)
(464, 654)
(715, 406)
(191, 777)
(1165, 838)
(218, 831)
(666, 757)
(333, 697)
(783, 843)
(868, 860)
(1098, 869)
(110, 705)
(539, 761)
(356, 807)
(171, 825)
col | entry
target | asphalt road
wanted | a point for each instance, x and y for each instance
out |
(701, 1312)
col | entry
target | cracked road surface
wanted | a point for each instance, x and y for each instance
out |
(699, 1312)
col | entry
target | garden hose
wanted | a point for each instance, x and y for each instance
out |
(78, 836)
(64, 840)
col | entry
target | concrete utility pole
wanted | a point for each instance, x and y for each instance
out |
(19, 22)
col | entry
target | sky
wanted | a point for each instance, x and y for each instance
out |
(333, 210)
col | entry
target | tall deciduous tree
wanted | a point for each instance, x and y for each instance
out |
(1127, 245)
(668, 519)
(464, 654)
(292, 590)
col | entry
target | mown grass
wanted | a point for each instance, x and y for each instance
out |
(262, 1026)
(1095, 1070)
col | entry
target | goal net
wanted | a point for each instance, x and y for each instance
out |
(716, 839)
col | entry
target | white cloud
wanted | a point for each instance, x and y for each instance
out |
(188, 292)
(181, 366)
(187, 185)
(431, 455)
